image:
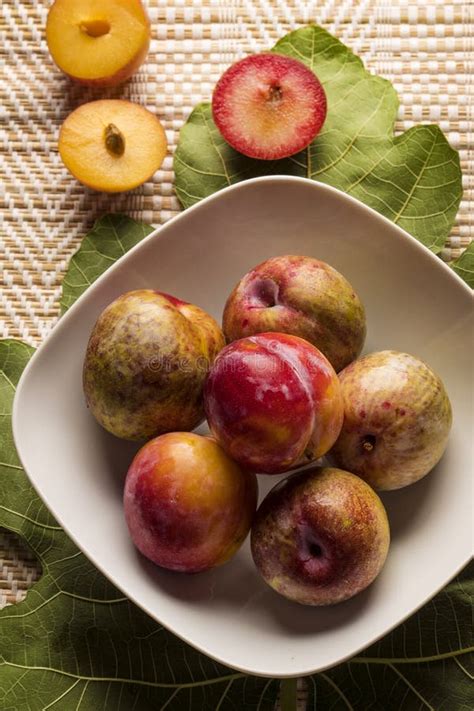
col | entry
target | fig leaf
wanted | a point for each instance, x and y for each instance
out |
(414, 179)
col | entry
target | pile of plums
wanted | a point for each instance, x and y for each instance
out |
(286, 390)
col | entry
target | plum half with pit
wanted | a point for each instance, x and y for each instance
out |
(268, 106)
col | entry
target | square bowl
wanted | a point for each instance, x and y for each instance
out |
(414, 303)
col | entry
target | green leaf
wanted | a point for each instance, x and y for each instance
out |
(464, 265)
(413, 179)
(109, 239)
(425, 663)
(14, 356)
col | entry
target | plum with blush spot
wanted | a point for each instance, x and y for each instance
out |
(320, 536)
(188, 506)
(397, 419)
(146, 362)
(273, 402)
(302, 296)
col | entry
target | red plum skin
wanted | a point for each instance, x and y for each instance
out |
(273, 402)
(188, 506)
(302, 296)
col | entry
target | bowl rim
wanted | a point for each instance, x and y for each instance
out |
(56, 331)
(235, 187)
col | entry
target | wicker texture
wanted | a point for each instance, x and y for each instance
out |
(18, 569)
(423, 46)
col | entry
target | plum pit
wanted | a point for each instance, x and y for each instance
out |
(95, 28)
(114, 140)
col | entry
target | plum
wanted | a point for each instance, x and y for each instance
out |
(188, 506)
(320, 536)
(273, 402)
(269, 106)
(146, 362)
(302, 296)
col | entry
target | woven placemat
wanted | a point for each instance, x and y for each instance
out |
(423, 46)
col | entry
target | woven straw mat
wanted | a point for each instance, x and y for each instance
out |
(423, 46)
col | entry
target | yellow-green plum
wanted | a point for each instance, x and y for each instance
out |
(397, 418)
(273, 402)
(301, 296)
(146, 362)
(320, 536)
(188, 506)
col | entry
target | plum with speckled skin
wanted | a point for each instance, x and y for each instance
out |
(320, 536)
(273, 402)
(301, 296)
(397, 418)
(188, 506)
(146, 362)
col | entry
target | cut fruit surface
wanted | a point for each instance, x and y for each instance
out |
(112, 145)
(98, 43)
(268, 106)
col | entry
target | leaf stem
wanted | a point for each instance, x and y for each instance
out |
(410, 660)
(123, 680)
(31, 520)
(288, 694)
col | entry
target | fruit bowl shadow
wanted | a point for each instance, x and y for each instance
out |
(411, 506)
(116, 455)
(215, 591)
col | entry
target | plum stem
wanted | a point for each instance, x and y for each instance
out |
(315, 550)
(368, 443)
(275, 94)
(114, 140)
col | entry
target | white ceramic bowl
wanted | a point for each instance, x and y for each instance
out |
(414, 303)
